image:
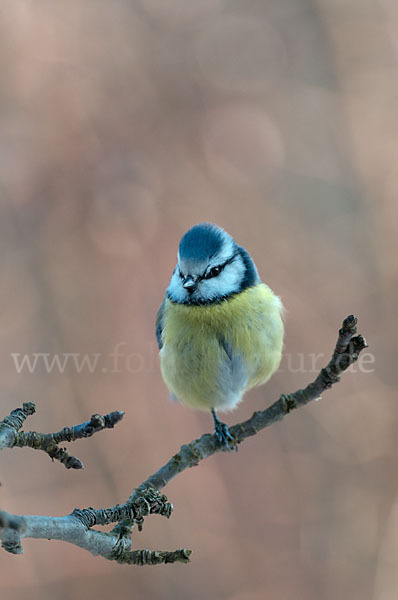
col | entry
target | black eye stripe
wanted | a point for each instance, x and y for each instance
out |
(219, 268)
(213, 272)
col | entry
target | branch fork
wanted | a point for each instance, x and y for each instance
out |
(11, 437)
(78, 527)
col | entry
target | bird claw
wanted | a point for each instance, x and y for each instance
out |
(224, 436)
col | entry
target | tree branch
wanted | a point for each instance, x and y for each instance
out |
(345, 354)
(11, 437)
(76, 528)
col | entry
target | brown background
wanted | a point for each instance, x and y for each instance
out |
(122, 123)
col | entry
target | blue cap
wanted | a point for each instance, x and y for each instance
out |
(201, 242)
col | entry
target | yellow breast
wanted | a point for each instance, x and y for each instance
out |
(213, 353)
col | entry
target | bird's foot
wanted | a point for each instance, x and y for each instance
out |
(223, 434)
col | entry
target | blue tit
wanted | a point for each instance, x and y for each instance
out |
(219, 328)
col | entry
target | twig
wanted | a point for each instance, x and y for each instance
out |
(76, 528)
(11, 437)
(345, 353)
(140, 504)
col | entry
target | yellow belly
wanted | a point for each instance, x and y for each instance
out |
(194, 359)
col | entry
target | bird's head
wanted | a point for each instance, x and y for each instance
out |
(210, 267)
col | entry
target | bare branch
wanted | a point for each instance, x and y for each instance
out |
(76, 528)
(155, 557)
(140, 504)
(10, 425)
(345, 353)
(11, 437)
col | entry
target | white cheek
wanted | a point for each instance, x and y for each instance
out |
(226, 283)
(175, 289)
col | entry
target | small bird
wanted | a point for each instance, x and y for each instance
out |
(219, 328)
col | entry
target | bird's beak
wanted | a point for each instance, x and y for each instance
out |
(189, 284)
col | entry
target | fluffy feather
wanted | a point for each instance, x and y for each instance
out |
(195, 364)
(220, 332)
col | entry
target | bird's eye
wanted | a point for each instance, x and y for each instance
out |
(213, 272)
(180, 274)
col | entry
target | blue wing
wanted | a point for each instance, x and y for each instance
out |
(159, 324)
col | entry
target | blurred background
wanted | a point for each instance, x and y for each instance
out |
(122, 124)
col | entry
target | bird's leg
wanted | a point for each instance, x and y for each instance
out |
(223, 434)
